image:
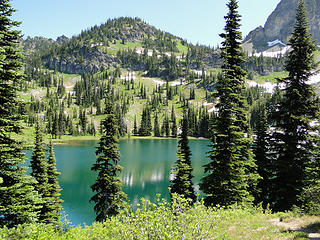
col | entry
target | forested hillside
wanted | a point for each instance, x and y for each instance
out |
(127, 78)
(153, 77)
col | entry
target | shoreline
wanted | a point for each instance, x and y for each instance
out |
(89, 138)
(66, 139)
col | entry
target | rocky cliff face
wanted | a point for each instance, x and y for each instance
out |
(279, 24)
(91, 62)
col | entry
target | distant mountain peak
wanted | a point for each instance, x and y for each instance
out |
(279, 26)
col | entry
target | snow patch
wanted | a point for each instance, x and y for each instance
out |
(269, 86)
(275, 42)
(213, 109)
(272, 54)
(159, 82)
(206, 104)
(314, 79)
(150, 53)
(130, 76)
(199, 72)
(175, 83)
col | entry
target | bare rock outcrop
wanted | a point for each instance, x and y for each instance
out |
(279, 24)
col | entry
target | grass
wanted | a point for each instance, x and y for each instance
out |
(272, 77)
(182, 48)
(162, 220)
(24, 97)
(115, 47)
(135, 109)
(27, 136)
(67, 77)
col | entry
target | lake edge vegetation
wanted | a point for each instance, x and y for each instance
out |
(233, 174)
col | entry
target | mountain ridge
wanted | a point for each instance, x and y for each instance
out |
(100, 47)
(279, 25)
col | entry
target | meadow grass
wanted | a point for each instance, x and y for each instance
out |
(272, 77)
(176, 220)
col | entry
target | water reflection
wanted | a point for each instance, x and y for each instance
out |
(146, 172)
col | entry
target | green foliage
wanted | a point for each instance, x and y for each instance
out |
(231, 174)
(53, 203)
(293, 116)
(310, 198)
(17, 196)
(38, 163)
(163, 220)
(39, 171)
(263, 65)
(145, 124)
(156, 127)
(108, 197)
(182, 170)
(261, 148)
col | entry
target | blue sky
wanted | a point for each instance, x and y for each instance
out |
(195, 20)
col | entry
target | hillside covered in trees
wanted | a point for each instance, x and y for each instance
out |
(152, 75)
(126, 78)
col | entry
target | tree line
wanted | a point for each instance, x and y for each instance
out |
(23, 198)
(278, 167)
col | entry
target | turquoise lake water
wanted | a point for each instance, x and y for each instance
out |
(146, 172)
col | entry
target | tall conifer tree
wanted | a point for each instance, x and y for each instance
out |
(108, 197)
(39, 172)
(156, 128)
(261, 150)
(135, 129)
(293, 147)
(182, 170)
(232, 170)
(18, 200)
(54, 201)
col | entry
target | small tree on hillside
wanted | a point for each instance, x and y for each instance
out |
(156, 128)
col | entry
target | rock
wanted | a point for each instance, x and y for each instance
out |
(279, 24)
(93, 61)
(62, 39)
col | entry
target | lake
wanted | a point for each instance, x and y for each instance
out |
(146, 162)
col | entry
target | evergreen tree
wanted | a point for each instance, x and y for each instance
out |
(55, 125)
(135, 129)
(108, 197)
(39, 173)
(182, 170)
(145, 124)
(261, 151)
(174, 126)
(54, 201)
(165, 129)
(174, 123)
(293, 146)
(231, 172)
(156, 128)
(18, 199)
(310, 194)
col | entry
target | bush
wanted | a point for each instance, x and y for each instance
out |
(310, 198)
(160, 220)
